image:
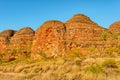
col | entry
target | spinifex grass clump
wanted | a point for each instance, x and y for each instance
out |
(42, 53)
(110, 63)
(95, 69)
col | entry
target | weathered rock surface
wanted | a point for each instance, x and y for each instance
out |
(115, 28)
(81, 18)
(5, 38)
(7, 33)
(55, 38)
(13, 43)
(50, 38)
(82, 32)
(22, 37)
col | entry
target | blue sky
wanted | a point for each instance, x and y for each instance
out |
(16, 14)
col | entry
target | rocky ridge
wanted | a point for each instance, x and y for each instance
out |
(55, 38)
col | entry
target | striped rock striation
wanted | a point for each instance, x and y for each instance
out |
(55, 38)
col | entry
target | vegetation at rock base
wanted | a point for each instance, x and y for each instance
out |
(110, 63)
(106, 35)
(94, 69)
(68, 68)
(42, 53)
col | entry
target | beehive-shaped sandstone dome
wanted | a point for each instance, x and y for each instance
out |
(22, 36)
(7, 33)
(115, 28)
(5, 38)
(80, 18)
(49, 38)
(82, 32)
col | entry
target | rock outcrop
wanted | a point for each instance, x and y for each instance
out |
(115, 28)
(81, 18)
(5, 37)
(14, 43)
(22, 38)
(82, 32)
(55, 38)
(7, 33)
(50, 38)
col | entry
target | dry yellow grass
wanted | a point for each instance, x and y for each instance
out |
(62, 69)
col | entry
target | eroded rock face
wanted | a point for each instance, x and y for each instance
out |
(55, 39)
(7, 33)
(22, 37)
(50, 38)
(81, 32)
(81, 18)
(115, 28)
(15, 43)
(5, 38)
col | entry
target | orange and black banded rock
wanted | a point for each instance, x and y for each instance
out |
(50, 38)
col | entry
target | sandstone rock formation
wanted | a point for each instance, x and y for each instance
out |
(7, 33)
(115, 28)
(50, 38)
(13, 43)
(55, 38)
(22, 37)
(82, 32)
(81, 18)
(5, 38)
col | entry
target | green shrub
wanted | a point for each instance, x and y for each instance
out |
(109, 63)
(110, 51)
(91, 49)
(94, 69)
(104, 36)
(42, 53)
(107, 34)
